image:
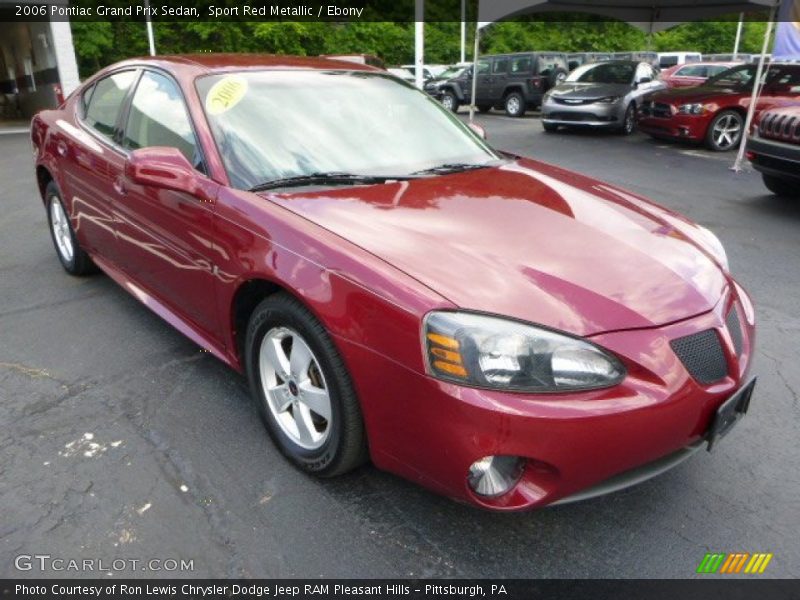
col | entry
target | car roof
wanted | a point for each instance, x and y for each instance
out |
(207, 63)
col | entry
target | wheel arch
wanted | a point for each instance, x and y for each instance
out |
(43, 179)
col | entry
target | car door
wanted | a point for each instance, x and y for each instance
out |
(499, 76)
(484, 84)
(93, 162)
(168, 236)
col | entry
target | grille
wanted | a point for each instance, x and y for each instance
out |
(578, 116)
(780, 124)
(735, 329)
(661, 110)
(701, 354)
(573, 101)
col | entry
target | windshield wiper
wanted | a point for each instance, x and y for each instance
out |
(331, 178)
(450, 168)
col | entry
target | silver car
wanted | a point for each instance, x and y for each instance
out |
(602, 94)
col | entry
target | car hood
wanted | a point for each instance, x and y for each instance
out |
(695, 94)
(529, 241)
(589, 90)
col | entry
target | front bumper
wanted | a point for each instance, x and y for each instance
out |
(590, 114)
(430, 431)
(774, 157)
(680, 127)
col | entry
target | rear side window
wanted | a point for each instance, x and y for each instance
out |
(668, 61)
(106, 100)
(694, 71)
(500, 65)
(521, 64)
(158, 117)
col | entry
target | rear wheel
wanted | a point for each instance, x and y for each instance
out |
(781, 187)
(302, 389)
(725, 131)
(449, 101)
(514, 104)
(73, 258)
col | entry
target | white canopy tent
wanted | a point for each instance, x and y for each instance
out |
(648, 15)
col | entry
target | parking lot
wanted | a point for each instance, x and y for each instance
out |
(122, 439)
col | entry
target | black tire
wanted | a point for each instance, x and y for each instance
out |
(629, 120)
(712, 141)
(514, 104)
(549, 127)
(450, 101)
(484, 108)
(345, 447)
(782, 187)
(79, 263)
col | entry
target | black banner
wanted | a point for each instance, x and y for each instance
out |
(734, 588)
(399, 11)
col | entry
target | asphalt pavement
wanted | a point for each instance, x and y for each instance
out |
(120, 439)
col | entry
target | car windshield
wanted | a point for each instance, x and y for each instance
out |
(608, 72)
(272, 125)
(741, 76)
(451, 72)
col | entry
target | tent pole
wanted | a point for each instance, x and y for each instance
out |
(737, 166)
(463, 31)
(474, 73)
(149, 25)
(738, 36)
(419, 43)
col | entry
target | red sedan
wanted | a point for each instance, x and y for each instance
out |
(714, 113)
(693, 74)
(497, 329)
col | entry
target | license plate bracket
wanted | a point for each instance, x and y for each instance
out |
(730, 413)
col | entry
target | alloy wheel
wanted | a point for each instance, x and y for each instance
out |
(727, 131)
(61, 232)
(295, 388)
(513, 105)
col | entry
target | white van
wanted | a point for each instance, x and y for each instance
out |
(670, 59)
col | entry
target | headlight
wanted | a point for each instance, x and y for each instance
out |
(691, 109)
(608, 100)
(490, 352)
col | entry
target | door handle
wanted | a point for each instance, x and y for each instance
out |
(61, 148)
(119, 186)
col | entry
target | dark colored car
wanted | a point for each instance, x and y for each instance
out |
(513, 82)
(774, 149)
(494, 328)
(714, 113)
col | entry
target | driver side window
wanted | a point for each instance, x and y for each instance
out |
(158, 117)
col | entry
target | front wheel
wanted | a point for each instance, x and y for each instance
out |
(449, 101)
(302, 389)
(73, 258)
(725, 131)
(629, 120)
(515, 104)
(781, 187)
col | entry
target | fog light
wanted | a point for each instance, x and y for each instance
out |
(495, 475)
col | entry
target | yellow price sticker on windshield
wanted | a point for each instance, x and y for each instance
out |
(225, 94)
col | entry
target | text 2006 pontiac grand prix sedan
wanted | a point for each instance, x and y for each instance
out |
(500, 330)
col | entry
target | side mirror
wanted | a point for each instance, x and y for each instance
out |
(165, 168)
(642, 80)
(478, 130)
